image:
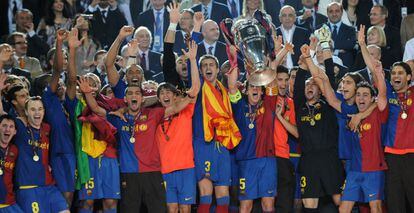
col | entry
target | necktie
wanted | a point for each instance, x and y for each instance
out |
(334, 32)
(210, 50)
(103, 14)
(205, 13)
(14, 8)
(21, 63)
(143, 62)
(233, 8)
(158, 32)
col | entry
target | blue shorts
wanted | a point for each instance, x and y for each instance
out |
(104, 181)
(180, 186)
(11, 209)
(258, 178)
(212, 161)
(63, 170)
(295, 161)
(368, 184)
(41, 199)
(234, 170)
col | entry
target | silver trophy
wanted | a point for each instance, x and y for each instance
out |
(250, 37)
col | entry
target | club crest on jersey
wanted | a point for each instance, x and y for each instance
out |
(143, 117)
(409, 102)
(143, 127)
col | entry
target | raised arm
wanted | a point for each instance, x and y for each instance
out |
(378, 75)
(288, 47)
(195, 78)
(291, 128)
(174, 18)
(90, 100)
(3, 78)
(61, 35)
(74, 43)
(364, 50)
(113, 76)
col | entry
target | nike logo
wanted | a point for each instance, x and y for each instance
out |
(188, 198)
(371, 195)
(118, 193)
(270, 191)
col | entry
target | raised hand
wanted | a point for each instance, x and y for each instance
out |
(84, 85)
(61, 35)
(198, 20)
(6, 52)
(313, 42)
(378, 67)
(361, 35)
(73, 39)
(174, 9)
(192, 51)
(3, 77)
(132, 47)
(126, 31)
(305, 50)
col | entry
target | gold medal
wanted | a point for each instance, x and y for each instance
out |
(251, 126)
(312, 122)
(132, 139)
(36, 158)
(404, 115)
(1, 172)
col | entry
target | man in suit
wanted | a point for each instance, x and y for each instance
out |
(375, 54)
(343, 36)
(7, 62)
(150, 60)
(8, 10)
(378, 17)
(100, 69)
(292, 34)
(212, 10)
(273, 8)
(235, 7)
(308, 17)
(106, 23)
(37, 48)
(20, 59)
(156, 20)
(210, 44)
(189, 27)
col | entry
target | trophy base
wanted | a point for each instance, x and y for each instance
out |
(262, 78)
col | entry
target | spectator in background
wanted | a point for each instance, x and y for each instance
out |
(250, 6)
(21, 60)
(407, 29)
(6, 63)
(235, 7)
(37, 48)
(100, 69)
(88, 47)
(106, 22)
(190, 26)
(308, 17)
(291, 34)
(378, 17)
(343, 36)
(57, 17)
(156, 20)
(213, 10)
(210, 44)
(150, 61)
(409, 53)
(352, 15)
(273, 8)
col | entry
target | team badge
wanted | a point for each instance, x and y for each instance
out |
(143, 127)
(318, 116)
(409, 102)
(143, 117)
(366, 127)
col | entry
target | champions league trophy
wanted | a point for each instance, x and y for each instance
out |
(252, 37)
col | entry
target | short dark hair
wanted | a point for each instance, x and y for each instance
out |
(282, 69)
(8, 117)
(11, 94)
(133, 85)
(366, 84)
(404, 65)
(166, 86)
(356, 77)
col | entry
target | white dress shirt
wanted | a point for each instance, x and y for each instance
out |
(287, 37)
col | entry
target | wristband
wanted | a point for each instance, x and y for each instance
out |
(234, 98)
(172, 26)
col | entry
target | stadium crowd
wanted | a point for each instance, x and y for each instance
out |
(145, 106)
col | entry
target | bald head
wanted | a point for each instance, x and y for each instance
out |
(210, 31)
